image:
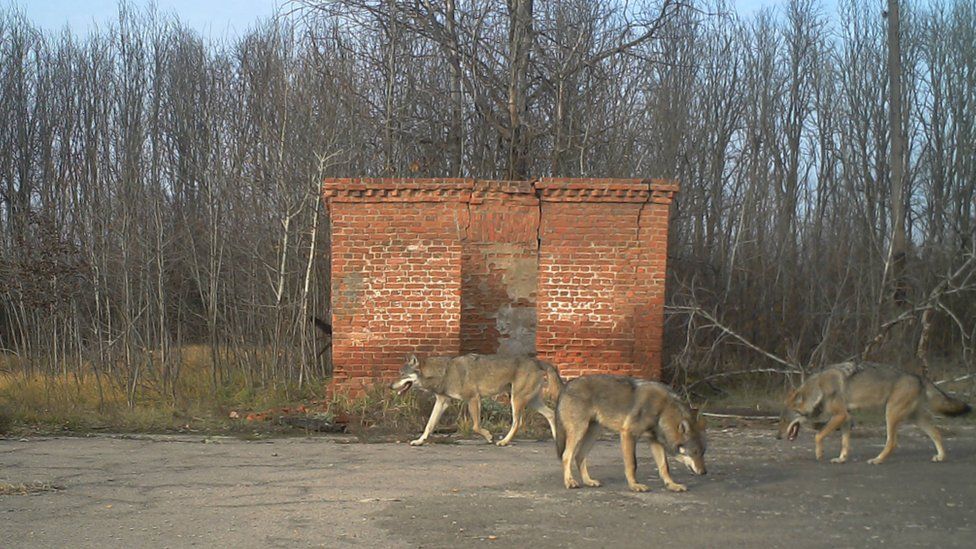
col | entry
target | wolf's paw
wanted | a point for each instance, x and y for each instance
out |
(638, 487)
(675, 487)
(571, 483)
(418, 442)
(876, 461)
(593, 483)
(938, 458)
(819, 454)
(839, 460)
(501, 442)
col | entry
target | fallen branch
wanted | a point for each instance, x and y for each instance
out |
(931, 302)
(708, 316)
(960, 378)
(744, 372)
(738, 416)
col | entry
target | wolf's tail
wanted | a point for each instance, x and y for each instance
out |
(943, 404)
(554, 380)
(560, 435)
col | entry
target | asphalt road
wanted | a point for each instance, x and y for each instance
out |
(296, 492)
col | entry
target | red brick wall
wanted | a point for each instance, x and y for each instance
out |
(499, 269)
(442, 266)
(396, 274)
(601, 275)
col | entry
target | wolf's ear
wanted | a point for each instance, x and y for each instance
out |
(700, 422)
(696, 413)
(684, 427)
(412, 361)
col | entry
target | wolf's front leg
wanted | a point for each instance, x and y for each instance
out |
(435, 415)
(661, 458)
(845, 443)
(836, 421)
(628, 446)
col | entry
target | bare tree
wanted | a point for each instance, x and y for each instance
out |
(159, 191)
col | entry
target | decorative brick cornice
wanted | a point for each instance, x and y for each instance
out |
(509, 191)
(548, 189)
(553, 189)
(368, 189)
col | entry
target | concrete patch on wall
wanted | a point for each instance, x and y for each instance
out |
(521, 276)
(498, 298)
(350, 289)
(516, 329)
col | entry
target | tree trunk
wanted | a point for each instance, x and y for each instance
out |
(520, 44)
(895, 290)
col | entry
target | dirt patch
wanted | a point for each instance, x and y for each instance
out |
(183, 491)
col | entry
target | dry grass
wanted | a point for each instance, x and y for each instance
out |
(6, 420)
(382, 415)
(83, 401)
(23, 489)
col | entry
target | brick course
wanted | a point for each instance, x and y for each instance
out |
(571, 268)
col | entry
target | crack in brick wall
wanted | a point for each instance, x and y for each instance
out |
(572, 269)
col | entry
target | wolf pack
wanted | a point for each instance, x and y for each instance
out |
(589, 404)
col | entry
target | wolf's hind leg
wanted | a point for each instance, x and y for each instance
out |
(474, 408)
(573, 439)
(902, 404)
(592, 432)
(895, 413)
(925, 424)
(539, 406)
(517, 406)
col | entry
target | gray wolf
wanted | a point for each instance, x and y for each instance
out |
(630, 407)
(834, 392)
(470, 377)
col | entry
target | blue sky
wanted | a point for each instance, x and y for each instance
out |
(217, 18)
(209, 17)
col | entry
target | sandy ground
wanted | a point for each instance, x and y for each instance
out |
(294, 492)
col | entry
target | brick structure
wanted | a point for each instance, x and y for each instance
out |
(602, 264)
(570, 268)
(396, 273)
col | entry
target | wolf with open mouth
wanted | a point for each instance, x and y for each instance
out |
(833, 393)
(472, 376)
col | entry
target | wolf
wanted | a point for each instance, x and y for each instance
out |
(472, 376)
(630, 407)
(834, 392)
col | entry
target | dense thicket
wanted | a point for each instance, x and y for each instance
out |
(159, 188)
